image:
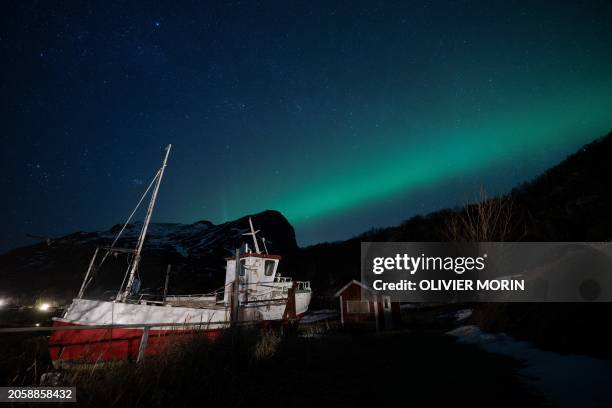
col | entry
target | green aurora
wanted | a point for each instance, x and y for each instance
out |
(549, 128)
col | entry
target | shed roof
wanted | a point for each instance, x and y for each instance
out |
(356, 282)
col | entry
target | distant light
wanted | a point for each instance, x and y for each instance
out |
(37, 324)
(43, 307)
(2, 302)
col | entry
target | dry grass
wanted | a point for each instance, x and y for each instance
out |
(267, 345)
(320, 328)
(199, 369)
(23, 358)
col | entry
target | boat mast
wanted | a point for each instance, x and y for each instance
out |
(253, 233)
(143, 232)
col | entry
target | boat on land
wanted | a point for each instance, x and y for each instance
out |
(133, 325)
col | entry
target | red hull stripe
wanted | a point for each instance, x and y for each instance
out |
(96, 345)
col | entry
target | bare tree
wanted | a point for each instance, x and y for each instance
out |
(485, 220)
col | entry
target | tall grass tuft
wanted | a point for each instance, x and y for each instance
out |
(267, 344)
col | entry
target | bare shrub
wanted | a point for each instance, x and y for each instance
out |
(485, 220)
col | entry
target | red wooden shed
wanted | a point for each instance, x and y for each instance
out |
(362, 307)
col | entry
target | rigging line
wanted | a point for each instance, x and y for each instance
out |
(127, 222)
(129, 262)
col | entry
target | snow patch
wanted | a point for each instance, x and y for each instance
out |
(567, 380)
(182, 250)
(463, 314)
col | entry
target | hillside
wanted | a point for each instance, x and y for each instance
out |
(54, 270)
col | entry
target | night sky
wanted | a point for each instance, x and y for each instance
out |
(341, 115)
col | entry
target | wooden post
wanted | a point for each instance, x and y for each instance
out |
(245, 299)
(376, 313)
(235, 290)
(341, 312)
(143, 344)
(290, 309)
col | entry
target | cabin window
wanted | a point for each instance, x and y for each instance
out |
(242, 266)
(269, 268)
(357, 306)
